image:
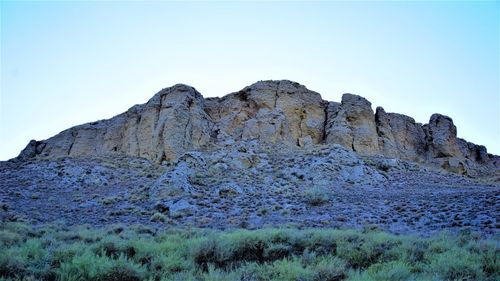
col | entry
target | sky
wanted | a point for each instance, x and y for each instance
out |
(67, 63)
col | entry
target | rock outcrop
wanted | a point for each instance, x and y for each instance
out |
(271, 112)
(172, 121)
(352, 124)
(399, 136)
(441, 137)
(178, 119)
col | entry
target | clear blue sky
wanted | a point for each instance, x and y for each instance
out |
(67, 63)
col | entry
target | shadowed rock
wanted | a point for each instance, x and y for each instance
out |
(399, 136)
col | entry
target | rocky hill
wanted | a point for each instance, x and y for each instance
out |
(272, 154)
(178, 119)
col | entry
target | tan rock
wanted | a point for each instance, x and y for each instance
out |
(286, 114)
(455, 165)
(337, 128)
(270, 111)
(171, 122)
(352, 125)
(476, 153)
(441, 137)
(400, 136)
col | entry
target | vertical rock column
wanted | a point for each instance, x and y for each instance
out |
(352, 125)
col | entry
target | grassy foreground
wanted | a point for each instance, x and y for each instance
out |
(140, 253)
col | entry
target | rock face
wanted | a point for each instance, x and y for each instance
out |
(271, 112)
(170, 122)
(399, 136)
(352, 124)
(441, 137)
(178, 119)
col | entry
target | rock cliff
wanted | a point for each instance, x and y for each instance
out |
(178, 119)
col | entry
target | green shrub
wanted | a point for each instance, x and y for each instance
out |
(204, 253)
(86, 266)
(316, 196)
(330, 269)
(276, 251)
(170, 264)
(89, 266)
(137, 253)
(124, 270)
(456, 264)
(66, 252)
(394, 271)
(370, 248)
(9, 238)
(242, 246)
(321, 241)
(490, 259)
(158, 217)
(289, 270)
(82, 233)
(11, 265)
(215, 274)
(114, 246)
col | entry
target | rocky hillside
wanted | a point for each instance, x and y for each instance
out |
(178, 119)
(248, 185)
(272, 154)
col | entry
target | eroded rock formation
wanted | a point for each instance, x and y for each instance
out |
(352, 124)
(178, 119)
(399, 136)
(172, 121)
(272, 112)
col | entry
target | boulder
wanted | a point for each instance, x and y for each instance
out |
(31, 150)
(454, 165)
(180, 208)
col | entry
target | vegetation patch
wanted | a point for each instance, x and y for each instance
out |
(119, 252)
(316, 196)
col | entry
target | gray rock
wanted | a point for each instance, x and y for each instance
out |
(31, 150)
(180, 208)
(173, 182)
(229, 189)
